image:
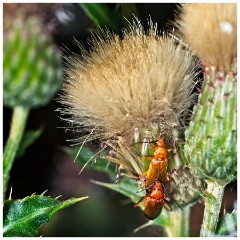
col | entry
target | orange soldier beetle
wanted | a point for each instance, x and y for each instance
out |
(158, 166)
(154, 201)
(155, 178)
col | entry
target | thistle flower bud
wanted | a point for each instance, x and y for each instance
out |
(186, 188)
(31, 63)
(211, 137)
(211, 31)
(141, 80)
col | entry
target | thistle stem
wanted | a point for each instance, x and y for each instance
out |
(18, 124)
(212, 209)
(179, 223)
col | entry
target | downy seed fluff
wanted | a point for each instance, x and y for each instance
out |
(128, 83)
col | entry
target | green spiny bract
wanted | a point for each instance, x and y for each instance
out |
(211, 139)
(185, 189)
(31, 64)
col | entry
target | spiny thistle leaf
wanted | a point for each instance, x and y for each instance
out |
(23, 217)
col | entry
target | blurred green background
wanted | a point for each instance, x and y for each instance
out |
(46, 166)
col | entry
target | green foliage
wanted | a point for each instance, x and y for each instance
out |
(32, 70)
(183, 190)
(125, 186)
(19, 119)
(130, 189)
(227, 226)
(32, 74)
(86, 157)
(211, 139)
(23, 217)
(28, 138)
(186, 189)
(103, 16)
(128, 10)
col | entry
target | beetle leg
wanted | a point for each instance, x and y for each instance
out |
(152, 146)
(141, 201)
(169, 150)
(169, 178)
(167, 206)
(166, 198)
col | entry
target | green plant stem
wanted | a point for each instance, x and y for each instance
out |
(19, 118)
(179, 223)
(212, 209)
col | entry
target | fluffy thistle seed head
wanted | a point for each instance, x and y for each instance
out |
(130, 83)
(211, 30)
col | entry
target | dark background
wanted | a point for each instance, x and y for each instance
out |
(46, 166)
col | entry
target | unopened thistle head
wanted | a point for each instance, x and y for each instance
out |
(129, 83)
(211, 31)
(211, 137)
(32, 70)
